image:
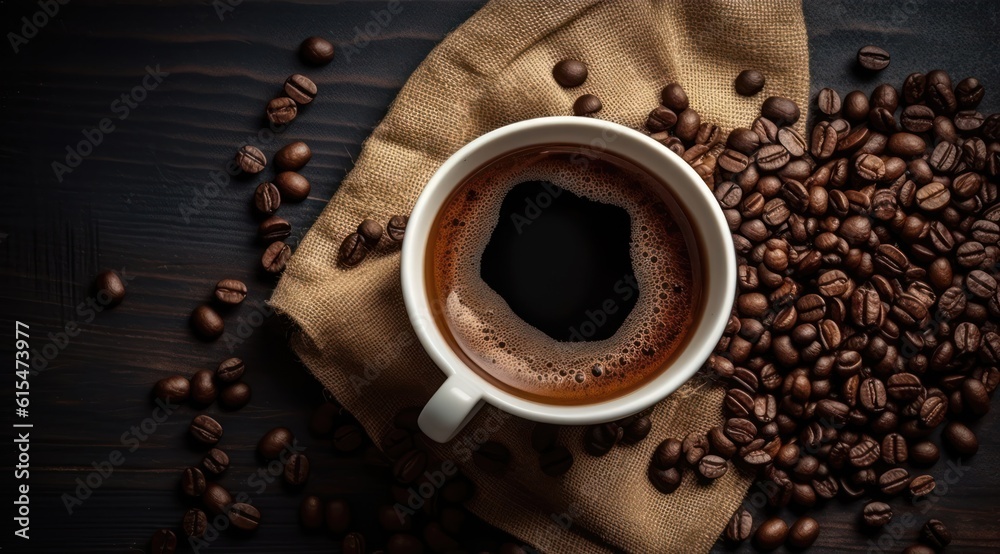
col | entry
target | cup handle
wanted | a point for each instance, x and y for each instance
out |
(451, 407)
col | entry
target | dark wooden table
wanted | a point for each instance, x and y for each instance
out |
(123, 206)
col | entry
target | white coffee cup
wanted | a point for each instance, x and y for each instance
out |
(464, 392)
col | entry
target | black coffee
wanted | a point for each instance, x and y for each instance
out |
(565, 277)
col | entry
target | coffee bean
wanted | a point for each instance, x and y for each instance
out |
(749, 82)
(792, 141)
(873, 58)
(570, 73)
(164, 541)
(828, 101)
(396, 228)
(230, 370)
(733, 161)
(316, 51)
(348, 438)
(664, 480)
(300, 88)
(274, 228)
(266, 198)
(600, 439)
(771, 534)
(588, 104)
(688, 123)
(109, 288)
(695, 445)
(292, 186)
(712, 467)
(865, 453)
(924, 453)
(203, 391)
(975, 396)
(960, 438)
(674, 97)
(922, 485)
(370, 232)
(296, 469)
(216, 462)
(338, 516)
(636, 430)
(275, 257)
(739, 430)
(216, 498)
(780, 110)
(206, 323)
(661, 119)
(353, 250)
(235, 396)
(311, 512)
(803, 533)
(274, 442)
(894, 449)
(195, 523)
(205, 430)
(740, 526)
(281, 110)
(491, 457)
(979, 282)
(175, 388)
(667, 454)
(244, 517)
(935, 534)
(933, 410)
(250, 159)
(772, 157)
(894, 480)
(293, 156)
(193, 482)
(230, 291)
(933, 197)
(555, 461)
(918, 549)
(877, 514)
(410, 466)
(353, 543)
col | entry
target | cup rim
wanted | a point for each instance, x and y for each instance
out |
(686, 186)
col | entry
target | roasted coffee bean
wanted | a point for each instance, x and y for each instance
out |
(894, 449)
(695, 445)
(353, 543)
(316, 51)
(244, 517)
(205, 430)
(195, 523)
(828, 101)
(922, 485)
(855, 107)
(215, 462)
(894, 480)
(250, 159)
(792, 141)
(281, 110)
(740, 526)
(739, 430)
(396, 228)
(193, 482)
(274, 228)
(311, 512)
(292, 186)
(570, 73)
(348, 438)
(667, 454)
(293, 156)
(296, 469)
(235, 396)
(266, 198)
(877, 514)
(109, 288)
(216, 498)
(935, 534)
(410, 466)
(353, 250)
(370, 232)
(206, 323)
(661, 119)
(712, 467)
(865, 453)
(230, 370)
(338, 516)
(803, 533)
(733, 161)
(274, 442)
(175, 389)
(960, 438)
(975, 396)
(749, 82)
(636, 430)
(674, 97)
(873, 58)
(555, 461)
(771, 534)
(588, 104)
(780, 110)
(491, 457)
(924, 453)
(688, 123)
(600, 439)
(772, 157)
(933, 410)
(203, 390)
(164, 541)
(664, 480)
(230, 291)
(275, 257)
(300, 88)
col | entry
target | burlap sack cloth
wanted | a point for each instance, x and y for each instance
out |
(493, 70)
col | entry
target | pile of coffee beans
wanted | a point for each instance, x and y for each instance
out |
(866, 315)
(357, 245)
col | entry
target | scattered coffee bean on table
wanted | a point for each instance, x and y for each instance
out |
(207, 323)
(311, 514)
(300, 88)
(164, 541)
(935, 534)
(193, 482)
(203, 389)
(274, 442)
(293, 156)
(873, 58)
(771, 534)
(175, 388)
(230, 291)
(803, 533)
(353, 250)
(749, 82)
(316, 51)
(244, 517)
(281, 110)
(216, 498)
(235, 396)
(230, 370)
(109, 288)
(267, 198)
(205, 430)
(740, 526)
(275, 257)
(570, 73)
(216, 462)
(588, 104)
(296, 469)
(396, 228)
(292, 186)
(876, 514)
(195, 523)
(274, 228)
(250, 159)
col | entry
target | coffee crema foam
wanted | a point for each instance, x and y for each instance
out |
(517, 356)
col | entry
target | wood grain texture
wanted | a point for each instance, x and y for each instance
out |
(122, 208)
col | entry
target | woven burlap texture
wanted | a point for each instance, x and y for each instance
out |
(496, 69)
